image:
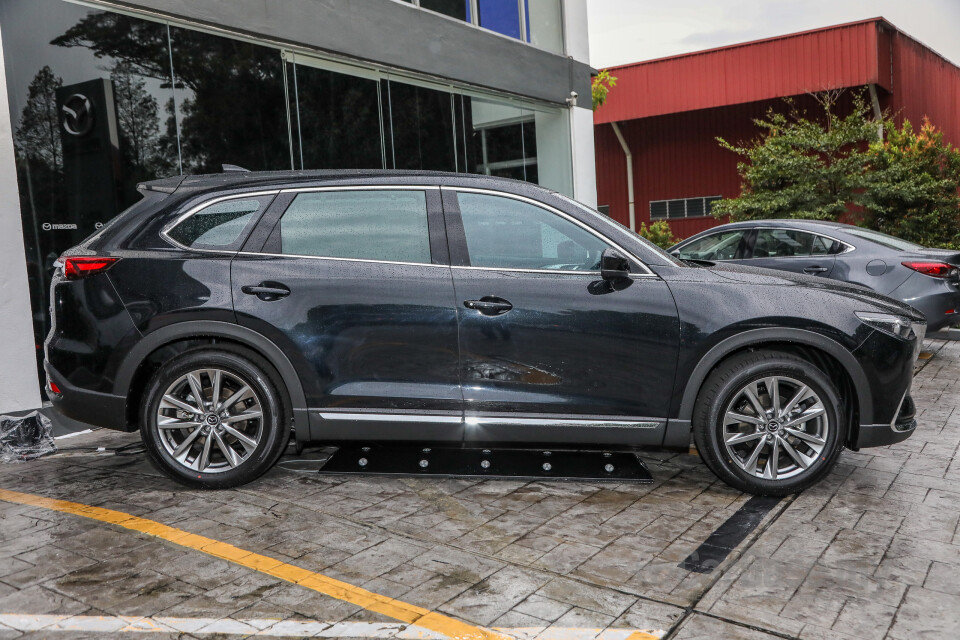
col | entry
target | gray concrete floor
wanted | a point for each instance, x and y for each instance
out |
(871, 552)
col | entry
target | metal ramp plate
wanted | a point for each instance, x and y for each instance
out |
(461, 462)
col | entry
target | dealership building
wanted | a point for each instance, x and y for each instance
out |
(656, 136)
(103, 95)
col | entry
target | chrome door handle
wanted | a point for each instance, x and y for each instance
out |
(815, 269)
(267, 291)
(489, 305)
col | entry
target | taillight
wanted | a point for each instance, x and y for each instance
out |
(55, 388)
(79, 268)
(935, 269)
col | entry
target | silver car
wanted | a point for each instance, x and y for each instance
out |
(927, 279)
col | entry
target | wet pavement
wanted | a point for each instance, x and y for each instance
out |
(871, 552)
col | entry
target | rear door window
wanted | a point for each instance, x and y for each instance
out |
(383, 225)
(788, 243)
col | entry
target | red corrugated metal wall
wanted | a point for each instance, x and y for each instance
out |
(841, 56)
(925, 85)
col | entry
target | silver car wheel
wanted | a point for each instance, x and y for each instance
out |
(775, 428)
(210, 420)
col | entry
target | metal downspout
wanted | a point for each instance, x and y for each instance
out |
(626, 152)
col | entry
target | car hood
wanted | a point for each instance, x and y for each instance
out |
(773, 277)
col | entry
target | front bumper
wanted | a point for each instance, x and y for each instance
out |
(880, 435)
(98, 409)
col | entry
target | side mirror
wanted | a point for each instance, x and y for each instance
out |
(613, 266)
(675, 253)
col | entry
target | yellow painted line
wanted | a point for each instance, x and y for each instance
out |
(407, 613)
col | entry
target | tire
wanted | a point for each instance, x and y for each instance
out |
(256, 442)
(724, 410)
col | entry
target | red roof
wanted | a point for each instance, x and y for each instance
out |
(846, 55)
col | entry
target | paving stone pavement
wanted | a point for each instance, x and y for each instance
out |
(873, 551)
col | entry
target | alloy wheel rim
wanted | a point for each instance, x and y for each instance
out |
(210, 420)
(775, 428)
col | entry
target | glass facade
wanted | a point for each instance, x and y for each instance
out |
(539, 22)
(100, 101)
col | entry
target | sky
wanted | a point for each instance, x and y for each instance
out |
(624, 31)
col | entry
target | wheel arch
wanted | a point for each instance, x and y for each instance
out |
(136, 367)
(809, 345)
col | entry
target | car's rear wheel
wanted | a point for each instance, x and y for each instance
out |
(769, 423)
(213, 419)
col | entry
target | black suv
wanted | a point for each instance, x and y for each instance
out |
(223, 313)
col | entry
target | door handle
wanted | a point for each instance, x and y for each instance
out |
(489, 305)
(815, 269)
(267, 291)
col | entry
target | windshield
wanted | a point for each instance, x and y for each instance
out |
(883, 239)
(610, 221)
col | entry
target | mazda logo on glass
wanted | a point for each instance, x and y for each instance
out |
(78, 115)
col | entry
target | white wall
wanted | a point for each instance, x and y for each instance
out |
(581, 117)
(584, 160)
(18, 368)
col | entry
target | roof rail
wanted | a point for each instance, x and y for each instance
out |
(232, 168)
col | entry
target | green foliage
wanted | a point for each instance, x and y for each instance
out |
(905, 184)
(659, 233)
(601, 85)
(912, 186)
(802, 168)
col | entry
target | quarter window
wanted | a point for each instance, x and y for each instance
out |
(369, 225)
(219, 225)
(717, 246)
(505, 233)
(785, 243)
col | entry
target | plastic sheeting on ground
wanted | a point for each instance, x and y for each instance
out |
(25, 438)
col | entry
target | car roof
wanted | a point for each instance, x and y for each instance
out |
(264, 179)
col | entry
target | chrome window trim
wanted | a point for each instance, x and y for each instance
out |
(550, 271)
(847, 246)
(164, 233)
(369, 260)
(542, 205)
(363, 187)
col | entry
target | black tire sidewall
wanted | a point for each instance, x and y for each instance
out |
(708, 428)
(272, 441)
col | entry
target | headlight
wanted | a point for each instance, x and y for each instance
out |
(896, 325)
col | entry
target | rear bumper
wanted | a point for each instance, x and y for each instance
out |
(879, 435)
(98, 409)
(937, 299)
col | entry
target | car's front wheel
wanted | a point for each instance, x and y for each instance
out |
(213, 418)
(769, 423)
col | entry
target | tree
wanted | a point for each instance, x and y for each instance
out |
(137, 115)
(912, 186)
(905, 184)
(600, 87)
(659, 233)
(800, 167)
(38, 134)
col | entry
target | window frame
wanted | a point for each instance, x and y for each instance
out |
(845, 247)
(266, 199)
(271, 246)
(460, 256)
